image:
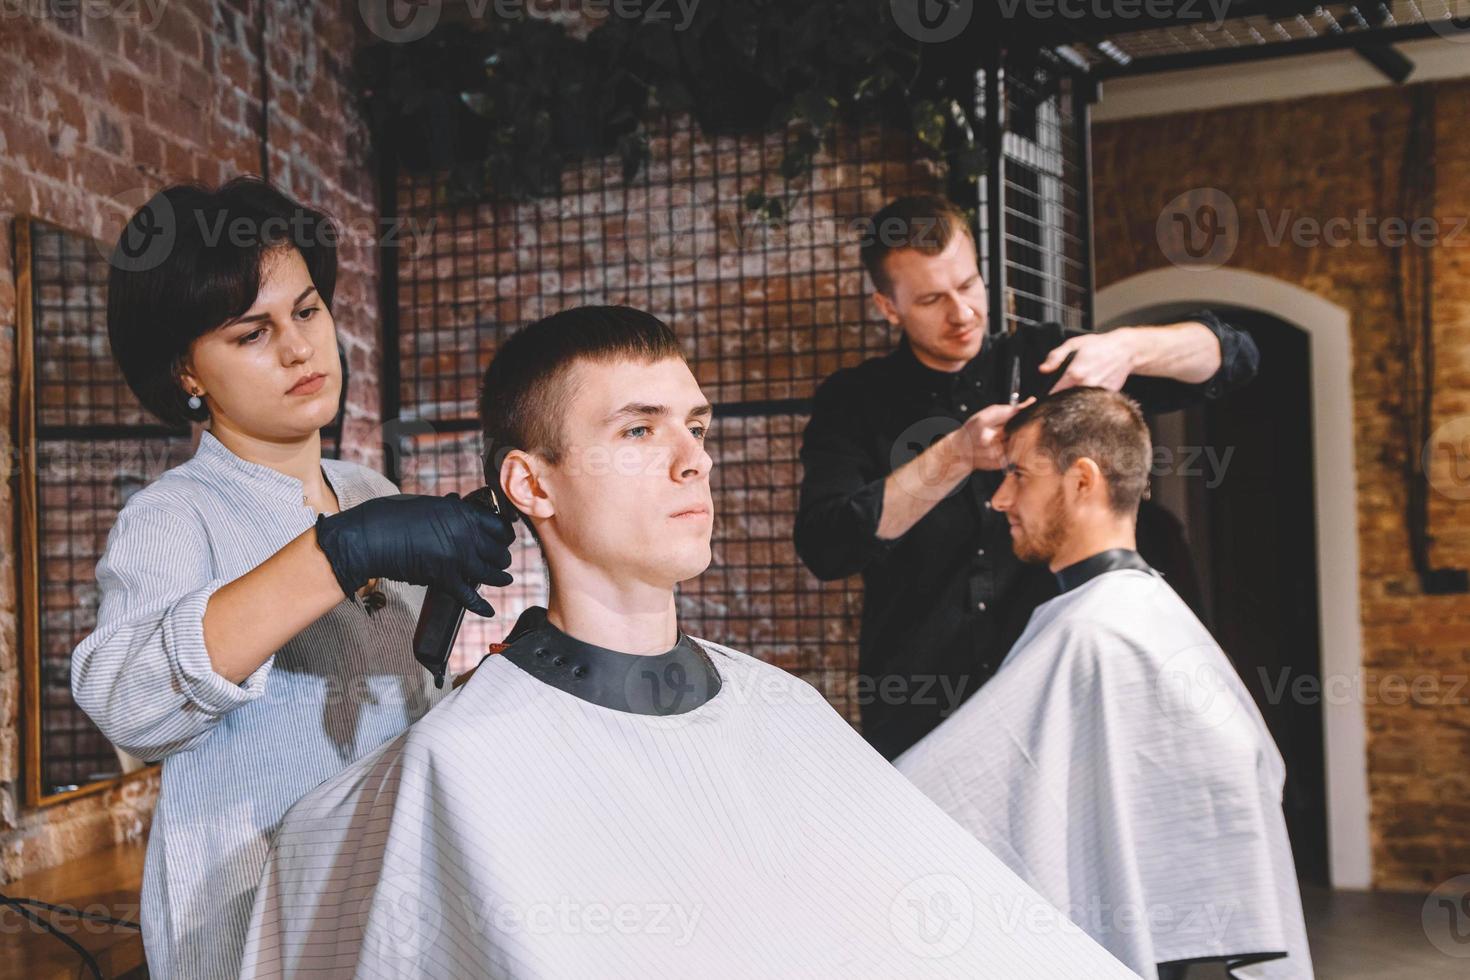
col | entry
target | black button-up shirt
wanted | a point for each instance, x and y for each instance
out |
(943, 603)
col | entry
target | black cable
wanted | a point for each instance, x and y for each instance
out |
(72, 910)
(20, 906)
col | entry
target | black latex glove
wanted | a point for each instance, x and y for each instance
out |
(441, 542)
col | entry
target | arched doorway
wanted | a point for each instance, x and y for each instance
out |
(1276, 308)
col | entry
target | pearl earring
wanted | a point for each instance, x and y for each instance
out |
(194, 401)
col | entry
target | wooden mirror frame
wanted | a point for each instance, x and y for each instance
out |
(27, 528)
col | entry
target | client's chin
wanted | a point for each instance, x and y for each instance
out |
(690, 562)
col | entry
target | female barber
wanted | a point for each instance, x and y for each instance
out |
(231, 641)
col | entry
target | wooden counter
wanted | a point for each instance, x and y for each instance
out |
(106, 883)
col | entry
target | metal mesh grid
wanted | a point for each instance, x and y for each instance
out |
(1325, 20)
(1044, 196)
(1047, 269)
(77, 383)
(764, 315)
(82, 485)
(95, 446)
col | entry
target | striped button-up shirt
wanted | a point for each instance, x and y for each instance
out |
(235, 756)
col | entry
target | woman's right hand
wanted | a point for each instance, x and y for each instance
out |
(440, 542)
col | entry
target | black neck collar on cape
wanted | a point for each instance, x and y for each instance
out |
(670, 683)
(1104, 561)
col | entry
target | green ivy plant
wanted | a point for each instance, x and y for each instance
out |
(505, 105)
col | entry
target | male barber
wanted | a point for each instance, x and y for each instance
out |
(904, 451)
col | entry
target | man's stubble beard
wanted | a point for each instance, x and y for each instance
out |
(1041, 547)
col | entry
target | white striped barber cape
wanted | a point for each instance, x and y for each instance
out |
(518, 831)
(1118, 764)
(235, 756)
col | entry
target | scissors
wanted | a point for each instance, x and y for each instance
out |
(1016, 375)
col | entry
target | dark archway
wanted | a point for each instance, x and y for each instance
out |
(1250, 515)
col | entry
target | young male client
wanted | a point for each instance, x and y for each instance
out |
(609, 797)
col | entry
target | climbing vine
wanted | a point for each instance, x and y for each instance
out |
(504, 105)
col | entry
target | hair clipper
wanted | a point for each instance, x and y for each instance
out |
(441, 614)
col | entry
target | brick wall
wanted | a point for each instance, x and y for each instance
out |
(1318, 159)
(96, 112)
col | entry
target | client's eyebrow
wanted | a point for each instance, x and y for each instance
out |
(639, 410)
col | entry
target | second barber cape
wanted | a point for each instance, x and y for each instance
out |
(577, 812)
(1117, 763)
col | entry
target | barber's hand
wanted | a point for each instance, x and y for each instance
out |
(1104, 360)
(441, 542)
(987, 438)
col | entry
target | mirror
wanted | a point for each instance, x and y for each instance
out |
(84, 446)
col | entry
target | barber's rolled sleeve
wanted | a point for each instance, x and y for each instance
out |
(1240, 358)
(1239, 361)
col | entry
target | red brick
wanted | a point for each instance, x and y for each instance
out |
(237, 67)
(147, 146)
(84, 69)
(142, 50)
(107, 132)
(125, 92)
(182, 163)
(100, 173)
(168, 113)
(13, 76)
(178, 30)
(103, 35)
(29, 145)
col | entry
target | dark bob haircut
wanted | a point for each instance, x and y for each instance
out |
(188, 262)
(524, 395)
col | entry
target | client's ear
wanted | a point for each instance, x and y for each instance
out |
(1089, 476)
(521, 487)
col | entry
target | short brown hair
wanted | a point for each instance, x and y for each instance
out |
(925, 222)
(1104, 426)
(524, 394)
